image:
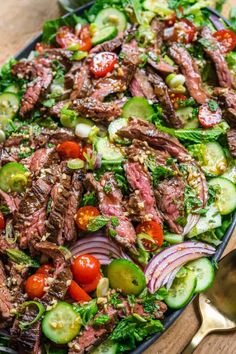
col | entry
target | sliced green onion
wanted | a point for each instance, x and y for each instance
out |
(175, 80)
(10, 236)
(79, 55)
(41, 310)
(75, 164)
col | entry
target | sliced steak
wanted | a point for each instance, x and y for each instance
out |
(9, 201)
(170, 200)
(227, 100)
(53, 136)
(69, 77)
(162, 93)
(158, 27)
(41, 158)
(231, 138)
(6, 300)
(190, 71)
(214, 52)
(142, 200)
(102, 112)
(144, 131)
(109, 46)
(110, 204)
(27, 340)
(140, 86)
(61, 278)
(82, 85)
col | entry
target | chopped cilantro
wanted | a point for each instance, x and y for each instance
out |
(101, 320)
(213, 105)
(112, 233)
(88, 199)
(97, 223)
(107, 188)
(114, 221)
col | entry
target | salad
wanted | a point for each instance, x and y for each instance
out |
(117, 174)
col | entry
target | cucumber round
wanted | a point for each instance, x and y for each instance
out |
(107, 347)
(204, 271)
(111, 17)
(185, 115)
(230, 174)
(214, 159)
(10, 173)
(9, 104)
(159, 7)
(104, 34)
(61, 324)
(113, 128)
(108, 151)
(126, 276)
(173, 238)
(181, 290)
(226, 194)
(138, 107)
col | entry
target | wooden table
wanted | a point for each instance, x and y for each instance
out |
(20, 20)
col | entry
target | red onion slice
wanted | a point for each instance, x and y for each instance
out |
(99, 246)
(171, 278)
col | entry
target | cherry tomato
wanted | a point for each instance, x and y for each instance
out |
(175, 98)
(227, 39)
(184, 31)
(84, 214)
(153, 229)
(65, 37)
(208, 117)
(34, 285)
(70, 149)
(85, 39)
(85, 268)
(46, 269)
(2, 221)
(77, 293)
(103, 63)
(91, 286)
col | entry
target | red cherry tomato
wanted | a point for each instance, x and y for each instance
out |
(208, 117)
(70, 149)
(226, 38)
(103, 63)
(153, 229)
(85, 268)
(91, 286)
(65, 37)
(77, 293)
(85, 39)
(34, 285)
(84, 214)
(46, 269)
(175, 98)
(2, 221)
(184, 31)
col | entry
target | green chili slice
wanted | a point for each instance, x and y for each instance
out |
(41, 310)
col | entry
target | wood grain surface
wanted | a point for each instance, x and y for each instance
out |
(20, 20)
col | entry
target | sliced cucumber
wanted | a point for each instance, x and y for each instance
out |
(173, 238)
(185, 114)
(215, 162)
(126, 276)
(113, 129)
(230, 174)
(181, 290)
(226, 194)
(108, 151)
(138, 107)
(107, 347)
(111, 17)
(204, 272)
(9, 104)
(210, 221)
(104, 34)
(160, 7)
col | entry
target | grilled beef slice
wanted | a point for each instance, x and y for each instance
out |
(227, 100)
(140, 86)
(9, 201)
(142, 200)
(6, 300)
(41, 158)
(214, 52)
(170, 200)
(109, 46)
(102, 112)
(110, 204)
(190, 71)
(61, 277)
(231, 138)
(82, 85)
(161, 92)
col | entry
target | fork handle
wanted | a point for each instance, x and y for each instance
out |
(201, 333)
